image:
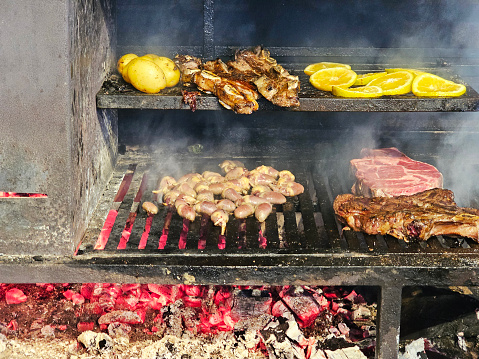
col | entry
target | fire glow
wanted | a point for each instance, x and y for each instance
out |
(204, 310)
(22, 195)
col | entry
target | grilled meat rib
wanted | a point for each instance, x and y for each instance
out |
(271, 79)
(387, 172)
(419, 216)
(236, 83)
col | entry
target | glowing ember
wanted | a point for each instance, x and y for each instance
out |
(22, 195)
(15, 296)
(141, 310)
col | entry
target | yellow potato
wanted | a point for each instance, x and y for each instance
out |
(123, 61)
(146, 76)
(171, 71)
(151, 56)
(125, 73)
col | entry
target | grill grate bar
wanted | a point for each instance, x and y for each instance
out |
(302, 223)
(311, 235)
(325, 203)
(113, 213)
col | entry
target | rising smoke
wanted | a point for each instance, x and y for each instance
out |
(386, 33)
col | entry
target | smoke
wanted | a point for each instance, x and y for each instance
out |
(386, 33)
(458, 160)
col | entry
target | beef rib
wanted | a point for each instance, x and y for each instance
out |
(387, 172)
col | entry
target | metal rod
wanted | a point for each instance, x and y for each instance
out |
(209, 29)
(389, 321)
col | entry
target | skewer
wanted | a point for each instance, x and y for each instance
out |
(184, 234)
(203, 231)
(146, 231)
(166, 228)
(241, 233)
(126, 233)
(222, 240)
(262, 235)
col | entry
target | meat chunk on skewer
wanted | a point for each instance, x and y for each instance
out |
(273, 197)
(220, 218)
(254, 200)
(226, 205)
(217, 188)
(166, 184)
(206, 207)
(228, 165)
(231, 194)
(186, 211)
(205, 195)
(150, 207)
(257, 178)
(263, 211)
(186, 189)
(235, 173)
(244, 210)
(288, 188)
(171, 196)
(267, 170)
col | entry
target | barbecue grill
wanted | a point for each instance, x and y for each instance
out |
(94, 149)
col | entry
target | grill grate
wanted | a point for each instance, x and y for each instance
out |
(305, 223)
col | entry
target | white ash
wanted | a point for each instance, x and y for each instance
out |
(345, 353)
(95, 342)
(48, 331)
(119, 332)
(414, 350)
(223, 346)
(247, 330)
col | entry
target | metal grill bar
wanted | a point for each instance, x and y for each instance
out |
(292, 226)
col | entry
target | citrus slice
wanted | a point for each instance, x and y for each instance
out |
(413, 71)
(336, 76)
(364, 79)
(429, 85)
(358, 92)
(311, 69)
(395, 83)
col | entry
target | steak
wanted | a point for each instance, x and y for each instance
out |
(387, 172)
(419, 216)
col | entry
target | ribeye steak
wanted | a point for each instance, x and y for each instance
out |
(387, 172)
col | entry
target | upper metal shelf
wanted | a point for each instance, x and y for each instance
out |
(115, 93)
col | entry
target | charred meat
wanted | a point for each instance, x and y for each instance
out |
(419, 216)
(237, 83)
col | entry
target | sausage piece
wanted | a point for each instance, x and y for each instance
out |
(205, 207)
(231, 194)
(273, 197)
(263, 211)
(186, 212)
(226, 205)
(243, 211)
(150, 207)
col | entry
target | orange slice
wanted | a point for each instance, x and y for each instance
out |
(429, 85)
(325, 79)
(395, 83)
(311, 69)
(364, 79)
(358, 92)
(413, 71)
